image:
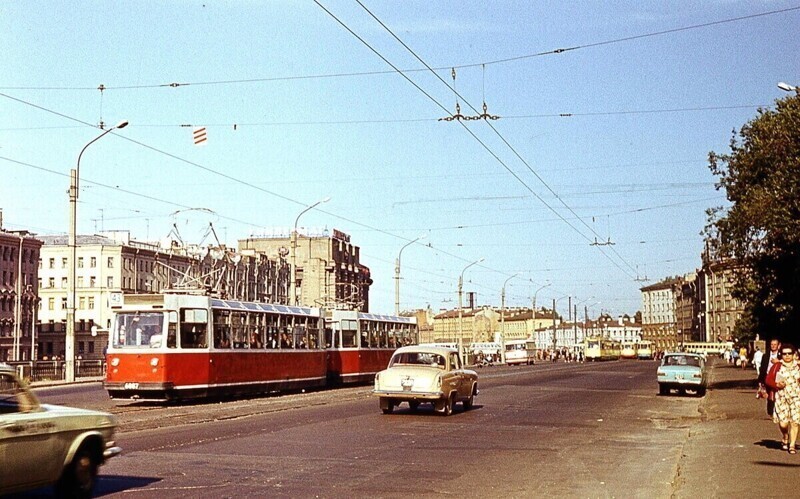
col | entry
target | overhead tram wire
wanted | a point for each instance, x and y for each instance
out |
(233, 179)
(478, 139)
(459, 66)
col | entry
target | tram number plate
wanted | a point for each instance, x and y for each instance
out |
(131, 386)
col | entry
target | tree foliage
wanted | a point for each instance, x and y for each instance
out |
(760, 230)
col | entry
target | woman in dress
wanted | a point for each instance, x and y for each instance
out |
(787, 398)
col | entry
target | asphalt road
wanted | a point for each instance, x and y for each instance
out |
(565, 430)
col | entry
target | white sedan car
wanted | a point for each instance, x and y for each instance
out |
(421, 374)
(44, 444)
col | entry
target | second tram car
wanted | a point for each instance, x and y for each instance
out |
(183, 345)
(602, 349)
(360, 344)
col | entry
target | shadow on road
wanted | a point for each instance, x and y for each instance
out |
(105, 485)
(731, 384)
(111, 484)
(776, 464)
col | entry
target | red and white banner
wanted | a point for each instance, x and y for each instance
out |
(200, 136)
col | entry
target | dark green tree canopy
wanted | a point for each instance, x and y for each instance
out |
(760, 230)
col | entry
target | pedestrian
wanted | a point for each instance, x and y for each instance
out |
(767, 361)
(727, 355)
(743, 357)
(757, 355)
(787, 397)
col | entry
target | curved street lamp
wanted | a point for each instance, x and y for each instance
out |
(69, 347)
(293, 250)
(788, 88)
(397, 274)
(460, 308)
(503, 319)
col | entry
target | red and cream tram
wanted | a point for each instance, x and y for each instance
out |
(361, 344)
(184, 345)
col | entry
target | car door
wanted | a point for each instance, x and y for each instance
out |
(458, 373)
(27, 438)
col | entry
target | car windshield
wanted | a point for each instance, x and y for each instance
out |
(418, 358)
(138, 329)
(681, 360)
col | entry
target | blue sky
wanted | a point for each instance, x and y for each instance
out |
(298, 109)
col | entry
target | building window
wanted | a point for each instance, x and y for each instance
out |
(80, 262)
(40, 283)
(64, 303)
(110, 282)
(51, 282)
(52, 263)
(91, 347)
(80, 281)
(51, 303)
(80, 348)
(63, 263)
(91, 303)
(92, 281)
(93, 262)
(82, 303)
(110, 263)
(64, 283)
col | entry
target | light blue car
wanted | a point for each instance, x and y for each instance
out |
(682, 371)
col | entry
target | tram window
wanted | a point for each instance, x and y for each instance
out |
(286, 340)
(383, 338)
(238, 332)
(330, 339)
(300, 340)
(348, 338)
(132, 330)
(194, 328)
(172, 330)
(313, 337)
(256, 338)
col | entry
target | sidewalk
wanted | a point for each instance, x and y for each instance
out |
(61, 382)
(734, 449)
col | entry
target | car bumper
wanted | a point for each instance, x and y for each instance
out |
(408, 395)
(681, 382)
(112, 450)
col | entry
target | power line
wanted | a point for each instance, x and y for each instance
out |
(475, 136)
(385, 72)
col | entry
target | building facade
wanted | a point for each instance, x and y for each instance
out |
(106, 265)
(19, 298)
(659, 321)
(720, 310)
(328, 268)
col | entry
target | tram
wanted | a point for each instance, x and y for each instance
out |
(185, 345)
(628, 351)
(602, 349)
(520, 352)
(644, 350)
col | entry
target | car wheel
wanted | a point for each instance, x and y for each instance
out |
(470, 401)
(413, 405)
(389, 407)
(79, 476)
(448, 405)
(701, 391)
(663, 390)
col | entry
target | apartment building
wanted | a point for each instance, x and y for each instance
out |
(19, 259)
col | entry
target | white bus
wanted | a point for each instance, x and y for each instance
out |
(520, 352)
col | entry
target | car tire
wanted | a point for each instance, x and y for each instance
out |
(389, 407)
(447, 405)
(80, 475)
(663, 390)
(468, 403)
(701, 391)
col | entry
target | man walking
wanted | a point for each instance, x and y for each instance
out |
(757, 355)
(766, 361)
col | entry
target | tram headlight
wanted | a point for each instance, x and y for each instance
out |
(154, 361)
(115, 361)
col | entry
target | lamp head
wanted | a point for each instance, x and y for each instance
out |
(786, 86)
(121, 124)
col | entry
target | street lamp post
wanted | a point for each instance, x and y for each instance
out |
(533, 313)
(503, 320)
(74, 176)
(293, 250)
(555, 301)
(460, 307)
(397, 275)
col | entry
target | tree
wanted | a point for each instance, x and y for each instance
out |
(760, 230)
